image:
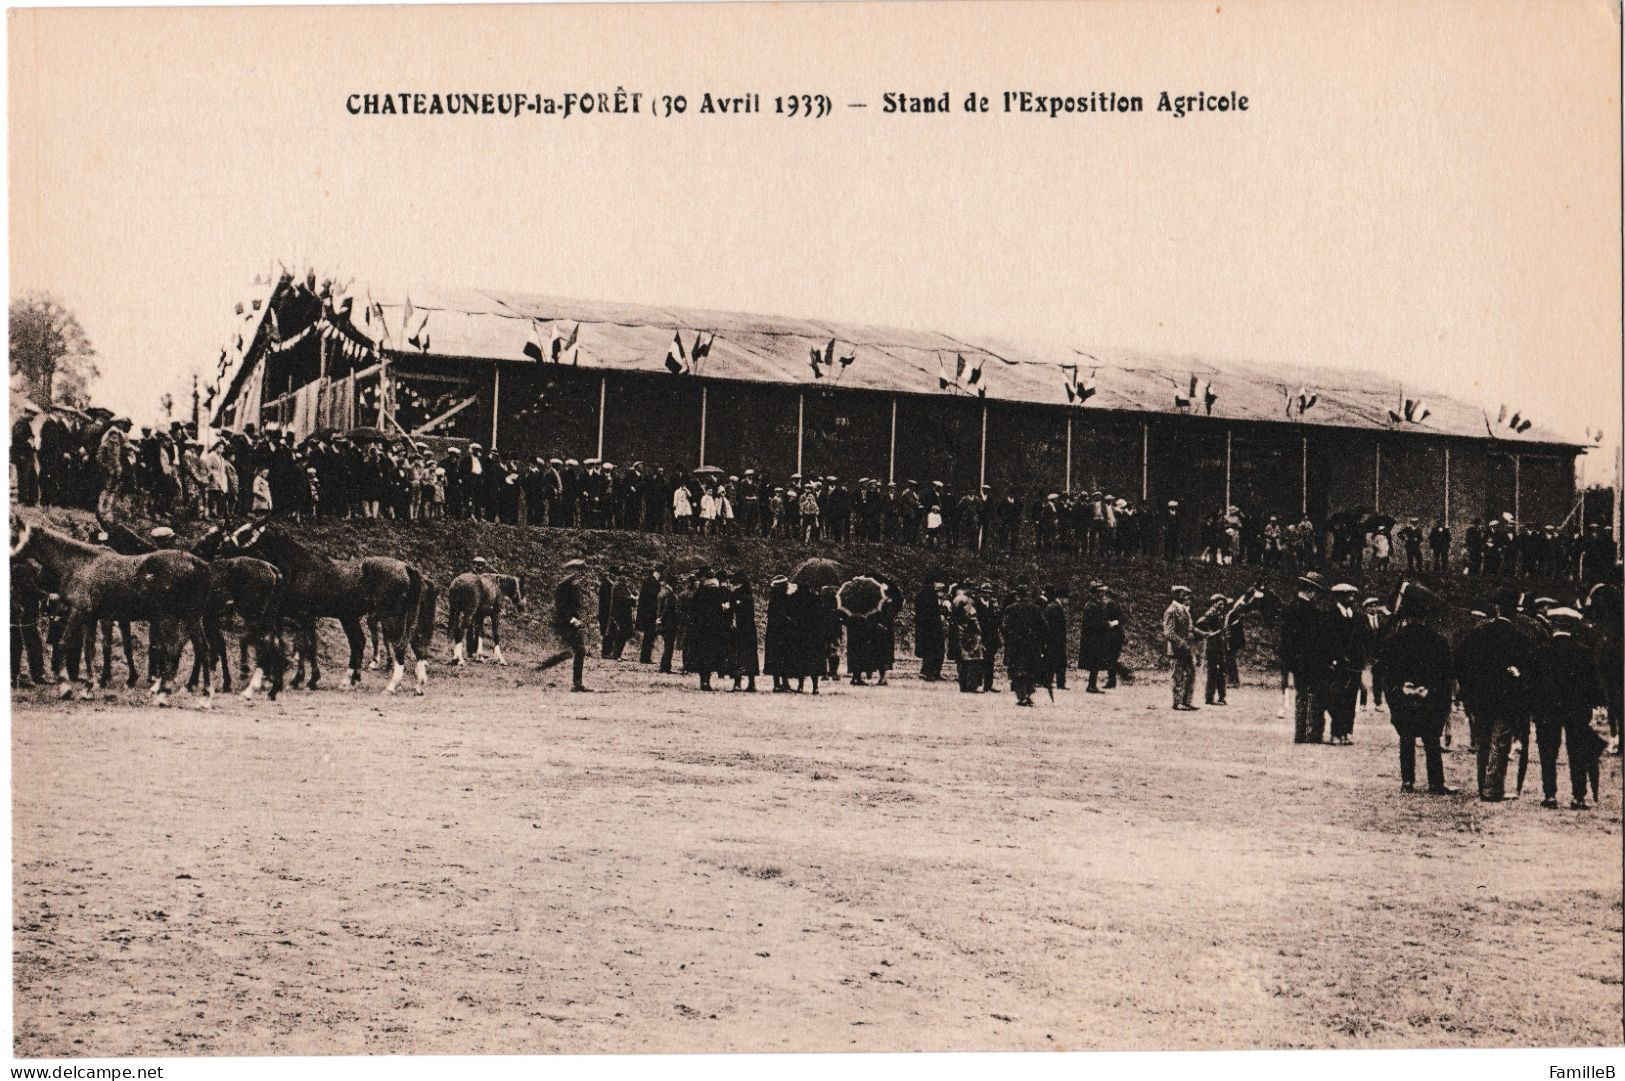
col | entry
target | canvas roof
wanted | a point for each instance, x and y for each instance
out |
(493, 325)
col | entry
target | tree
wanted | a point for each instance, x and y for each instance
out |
(50, 352)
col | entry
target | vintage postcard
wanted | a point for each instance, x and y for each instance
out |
(815, 527)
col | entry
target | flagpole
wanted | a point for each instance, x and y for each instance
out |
(801, 401)
(603, 390)
(1517, 489)
(1227, 470)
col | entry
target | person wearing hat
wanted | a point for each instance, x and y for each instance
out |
(992, 626)
(1095, 635)
(1371, 627)
(1492, 668)
(1306, 657)
(1415, 668)
(930, 629)
(1564, 689)
(569, 615)
(1053, 599)
(966, 635)
(1025, 655)
(1212, 632)
(1348, 661)
(1179, 638)
(1172, 547)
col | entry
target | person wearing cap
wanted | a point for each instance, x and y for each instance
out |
(1306, 657)
(1492, 668)
(1095, 636)
(1371, 626)
(930, 629)
(1564, 687)
(1416, 670)
(569, 619)
(966, 638)
(808, 511)
(1212, 633)
(992, 625)
(1178, 636)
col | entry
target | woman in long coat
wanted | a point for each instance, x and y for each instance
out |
(776, 645)
(743, 653)
(705, 646)
(804, 636)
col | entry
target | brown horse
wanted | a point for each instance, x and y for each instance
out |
(348, 590)
(166, 590)
(471, 601)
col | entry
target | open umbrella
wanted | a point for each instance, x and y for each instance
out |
(860, 597)
(708, 471)
(367, 435)
(817, 573)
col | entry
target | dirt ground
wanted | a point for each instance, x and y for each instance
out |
(503, 867)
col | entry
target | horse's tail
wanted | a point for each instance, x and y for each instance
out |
(411, 605)
(423, 630)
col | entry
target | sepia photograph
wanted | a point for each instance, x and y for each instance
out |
(603, 528)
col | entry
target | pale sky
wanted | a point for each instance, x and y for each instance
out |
(1427, 190)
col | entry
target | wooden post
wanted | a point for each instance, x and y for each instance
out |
(383, 392)
(1447, 487)
(1227, 470)
(801, 402)
(891, 455)
(603, 388)
(1517, 490)
(981, 471)
(1145, 460)
(1066, 481)
(1304, 492)
(496, 402)
(1377, 481)
(704, 396)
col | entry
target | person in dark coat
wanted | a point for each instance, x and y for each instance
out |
(969, 655)
(709, 628)
(620, 619)
(606, 594)
(1025, 657)
(1212, 627)
(668, 619)
(1492, 665)
(1095, 638)
(1306, 655)
(863, 647)
(930, 633)
(804, 637)
(1416, 668)
(992, 624)
(776, 645)
(1055, 632)
(1343, 628)
(569, 610)
(891, 606)
(648, 616)
(829, 631)
(1563, 689)
(743, 654)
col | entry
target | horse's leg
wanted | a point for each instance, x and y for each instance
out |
(372, 630)
(242, 656)
(454, 631)
(310, 646)
(394, 627)
(159, 634)
(130, 676)
(358, 643)
(496, 635)
(107, 653)
(218, 651)
(203, 646)
(73, 652)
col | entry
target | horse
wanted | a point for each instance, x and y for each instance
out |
(473, 599)
(249, 587)
(348, 590)
(167, 590)
(420, 626)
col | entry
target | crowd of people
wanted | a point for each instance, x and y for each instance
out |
(166, 471)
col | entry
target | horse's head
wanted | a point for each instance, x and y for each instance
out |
(208, 546)
(22, 534)
(243, 538)
(513, 590)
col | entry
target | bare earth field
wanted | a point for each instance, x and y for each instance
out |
(502, 867)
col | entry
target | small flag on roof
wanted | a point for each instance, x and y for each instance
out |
(676, 355)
